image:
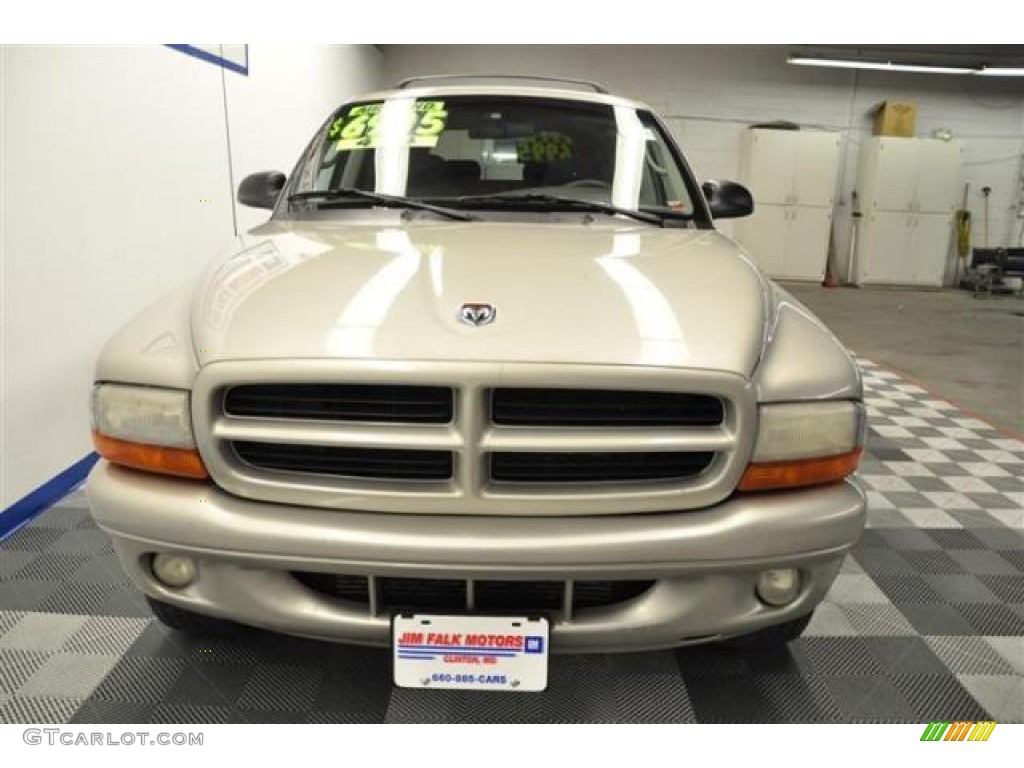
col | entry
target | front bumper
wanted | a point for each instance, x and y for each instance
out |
(705, 562)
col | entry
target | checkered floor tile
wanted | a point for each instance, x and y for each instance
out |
(925, 622)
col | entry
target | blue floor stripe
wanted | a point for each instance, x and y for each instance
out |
(45, 496)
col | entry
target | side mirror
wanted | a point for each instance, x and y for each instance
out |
(260, 190)
(727, 199)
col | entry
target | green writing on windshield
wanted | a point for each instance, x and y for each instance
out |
(544, 147)
(363, 127)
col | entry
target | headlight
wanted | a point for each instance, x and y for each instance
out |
(800, 444)
(143, 415)
(145, 428)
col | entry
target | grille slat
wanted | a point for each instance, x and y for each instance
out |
(490, 595)
(546, 467)
(521, 406)
(379, 403)
(373, 463)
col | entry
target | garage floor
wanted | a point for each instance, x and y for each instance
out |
(968, 350)
(926, 622)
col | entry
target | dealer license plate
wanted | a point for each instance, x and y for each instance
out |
(480, 653)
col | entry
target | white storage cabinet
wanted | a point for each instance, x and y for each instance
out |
(792, 176)
(908, 190)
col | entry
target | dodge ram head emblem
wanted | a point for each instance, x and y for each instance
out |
(478, 314)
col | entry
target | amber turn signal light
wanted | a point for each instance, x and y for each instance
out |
(183, 462)
(799, 473)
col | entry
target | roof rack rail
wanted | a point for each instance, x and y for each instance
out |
(598, 88)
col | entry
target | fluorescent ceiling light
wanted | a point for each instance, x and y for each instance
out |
(1002, 71)
(886, 66)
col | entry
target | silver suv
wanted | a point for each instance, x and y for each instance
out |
(489, 359)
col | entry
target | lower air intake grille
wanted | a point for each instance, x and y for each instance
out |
(371, 463)
(541, 467)
(454, 594)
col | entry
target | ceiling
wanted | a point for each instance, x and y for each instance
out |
(973, 56)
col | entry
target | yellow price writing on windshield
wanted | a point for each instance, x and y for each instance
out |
(361, 127)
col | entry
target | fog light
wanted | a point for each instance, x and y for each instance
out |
(174, 570)
(779, 586)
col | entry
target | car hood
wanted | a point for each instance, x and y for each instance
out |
(609, 294)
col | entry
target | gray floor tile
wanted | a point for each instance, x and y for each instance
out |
(68, 675)
(960, 588)
(13, 561)
(41, 632)
(983, 561)
(33, 709)
(8, 619)
(25, 595)
(875, 620)
(17, 666)
(830, 621)
(905, 655)
(970, 655)
(868, 700)
(938, 697)
(1002, 697)
(936, 619)
(281, 687)
(1011, 649)
(105, 635)
(850, 588)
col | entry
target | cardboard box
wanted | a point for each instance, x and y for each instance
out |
(895, 118)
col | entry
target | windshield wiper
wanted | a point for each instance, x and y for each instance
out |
(556, 202)
(393, 201)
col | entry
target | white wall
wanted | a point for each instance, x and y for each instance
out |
(115, 188)
(708, 94)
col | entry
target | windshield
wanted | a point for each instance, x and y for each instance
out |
(446, 148)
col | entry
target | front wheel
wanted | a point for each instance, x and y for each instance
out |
(195, 624)
(772, 637)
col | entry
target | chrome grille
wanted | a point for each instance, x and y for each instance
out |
(648, 439)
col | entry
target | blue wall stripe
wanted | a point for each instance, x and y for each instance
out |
(45, 496)
(213, 58)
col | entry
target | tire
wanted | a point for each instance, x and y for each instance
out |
(195, 624)
(772, 637)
